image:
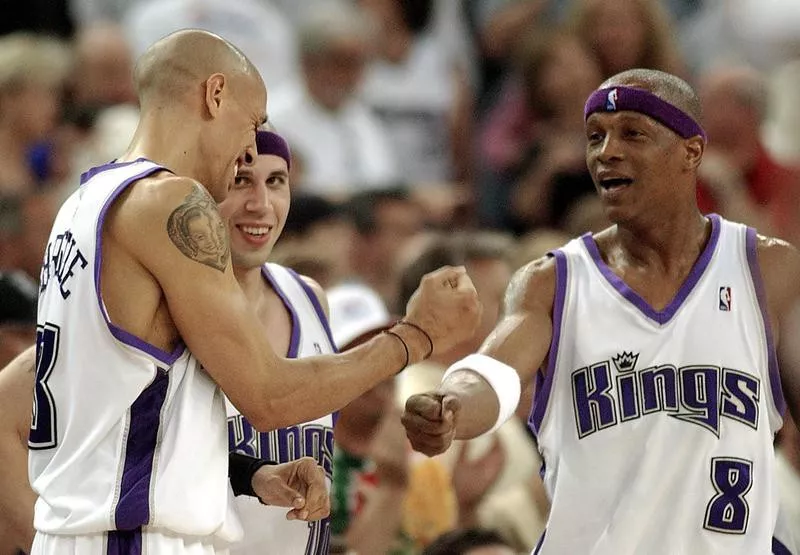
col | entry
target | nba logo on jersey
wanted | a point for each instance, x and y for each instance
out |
(611, 101)
(725, 299)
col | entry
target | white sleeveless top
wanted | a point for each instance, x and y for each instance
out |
(124, 435)
(266, 529)
(656, 427)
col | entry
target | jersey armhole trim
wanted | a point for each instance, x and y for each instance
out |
(751, 247)
(544, 385)
(314, 300)
(118, 333)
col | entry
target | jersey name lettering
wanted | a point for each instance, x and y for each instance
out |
(698, 394)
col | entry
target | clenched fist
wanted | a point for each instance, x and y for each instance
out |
(446, 306)
(430, 421)
(298, 484)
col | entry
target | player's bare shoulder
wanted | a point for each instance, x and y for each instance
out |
(532, 287)
(779, 262)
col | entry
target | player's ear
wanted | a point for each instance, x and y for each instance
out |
(215, 86)
(694, 148)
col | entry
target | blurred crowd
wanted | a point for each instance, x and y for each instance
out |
(423, 133)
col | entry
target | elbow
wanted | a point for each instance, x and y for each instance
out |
(269, 416)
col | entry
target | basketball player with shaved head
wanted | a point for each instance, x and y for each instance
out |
(292, 310)
(653, 346)
(143, 329)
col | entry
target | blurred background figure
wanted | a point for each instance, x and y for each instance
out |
(32, 75)
(420, 89)
(472, 541)
(103, 68)
(543, 170)
(343, 144)
(257, 27)
(316, 240)
(494, 478)
(740, 178)
(384, 222)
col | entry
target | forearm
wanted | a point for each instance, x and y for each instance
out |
(16, 496)
(479, 403)
(312, 387)
(375, 529)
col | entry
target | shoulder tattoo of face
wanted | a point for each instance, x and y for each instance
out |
(197, 229)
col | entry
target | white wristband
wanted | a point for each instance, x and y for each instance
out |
(503, 379)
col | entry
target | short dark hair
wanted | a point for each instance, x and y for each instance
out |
(307, 210)
(666, 86)
(458, 249)
(361, 206)
(459, 542)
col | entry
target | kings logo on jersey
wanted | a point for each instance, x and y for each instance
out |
(700, 394)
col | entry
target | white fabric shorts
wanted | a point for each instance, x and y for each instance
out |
(146, 542)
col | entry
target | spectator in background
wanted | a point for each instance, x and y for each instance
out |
(547, 170)
(344, 146)
(25, 223)
(103, 68)
(257, 27)
(782, 134)
(370, 475)
(420, 91)
(627, 34)
(317, 240)
(739, 178)
(17, 314)
(384, 222)
(474, 541)
(495, 478)
(32, 73)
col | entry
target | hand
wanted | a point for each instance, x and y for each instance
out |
(430, 421)
(446, 306)
(473, 478)
(297, 484)
(389, 451)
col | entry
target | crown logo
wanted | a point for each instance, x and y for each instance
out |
(625, 361)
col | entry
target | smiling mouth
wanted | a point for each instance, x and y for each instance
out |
(254, 231)
(615, 182)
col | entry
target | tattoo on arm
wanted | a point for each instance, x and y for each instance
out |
(198, 230)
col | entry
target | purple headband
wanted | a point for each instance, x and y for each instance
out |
(630, 99)
(268, 142)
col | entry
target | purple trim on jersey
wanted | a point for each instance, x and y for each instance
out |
(124, 542)
(663, 316)
(323, 319)
(778, 548)
(294, 342)
(120, 334)
(133, 506)
(539, 543)
(91, 172)
(545, 385)
(751, 242)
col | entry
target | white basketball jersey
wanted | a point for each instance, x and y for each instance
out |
(656, 427)
(266, 529)
(123, 435)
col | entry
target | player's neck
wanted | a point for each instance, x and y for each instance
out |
(664, 240)
(250, 280)
(166, 141)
